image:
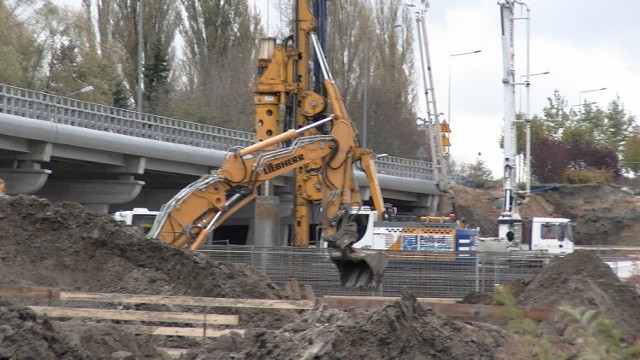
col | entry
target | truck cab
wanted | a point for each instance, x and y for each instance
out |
(552, 235)
(141, 218)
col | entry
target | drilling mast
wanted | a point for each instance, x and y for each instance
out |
(437, 132)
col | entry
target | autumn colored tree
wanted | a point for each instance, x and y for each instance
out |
(594, 138)
(550, 158)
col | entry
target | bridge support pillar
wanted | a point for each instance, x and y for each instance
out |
(95, 194)
(24, 180)
(266, 225)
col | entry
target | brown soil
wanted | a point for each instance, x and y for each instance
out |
(73, 248)
(68, 246)
(602, 214)
(402, 330)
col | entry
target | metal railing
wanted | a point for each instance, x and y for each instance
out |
(444, 279)
(63, 110)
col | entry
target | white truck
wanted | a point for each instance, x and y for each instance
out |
(141, 218)
(550, 235)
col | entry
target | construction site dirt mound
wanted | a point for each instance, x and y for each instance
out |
(481, 208)
(402, 330)
(580, 281)
(583, 280)
(70, 247)
(25, 335)
(603, 214)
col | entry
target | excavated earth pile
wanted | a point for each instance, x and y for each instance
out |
(70, 247)
(73, 248)
(602, 214)
(579, 280)
(25, 335)
(583, 280)
(402, 330)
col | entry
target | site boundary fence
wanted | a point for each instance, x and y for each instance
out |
(428, 277)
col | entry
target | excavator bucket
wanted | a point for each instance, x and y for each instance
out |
(359, 269)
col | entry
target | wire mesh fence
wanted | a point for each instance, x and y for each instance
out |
(423, 276)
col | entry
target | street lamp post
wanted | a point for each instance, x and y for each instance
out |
(86, 89)
(584, 92)
(527, 84)
(449, 97)
(366, 81)
(140, 29)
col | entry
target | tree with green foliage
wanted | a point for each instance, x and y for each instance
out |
(619, 127)
(161, 22)
(556, 116)
(478, 173)
(156, 79)
(632, 153)
(21, 53)
(121, 95)
(592, 138)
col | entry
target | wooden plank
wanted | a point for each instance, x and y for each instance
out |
(174, 352)
(371, 302)
(490, 311)
(29, 292)
(295, 286)
(178, 331)
(134, 315)
(187, 300)
(308, 291)
(288, 288)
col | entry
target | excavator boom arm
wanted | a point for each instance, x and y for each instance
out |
(188, 218)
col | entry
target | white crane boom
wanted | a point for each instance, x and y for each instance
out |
(509, 222)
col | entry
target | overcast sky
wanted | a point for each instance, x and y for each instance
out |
(586, 44)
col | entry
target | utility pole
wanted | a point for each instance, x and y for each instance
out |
(140, 37)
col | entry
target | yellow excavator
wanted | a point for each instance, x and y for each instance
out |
(321, 149)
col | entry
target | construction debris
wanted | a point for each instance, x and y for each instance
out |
(70, 247)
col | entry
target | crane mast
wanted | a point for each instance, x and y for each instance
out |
(439, 144)
(510, 223)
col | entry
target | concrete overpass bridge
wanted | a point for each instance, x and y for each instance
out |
(110, 159)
